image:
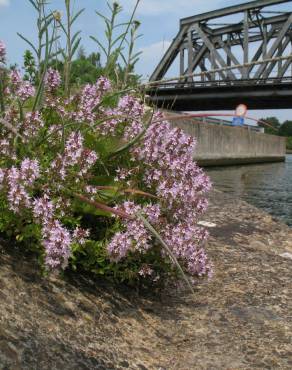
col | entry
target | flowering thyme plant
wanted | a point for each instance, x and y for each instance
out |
(82, 177)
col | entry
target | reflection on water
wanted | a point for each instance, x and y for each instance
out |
(267, 186)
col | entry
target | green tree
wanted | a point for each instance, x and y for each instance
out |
(30, 68)
(286, 129)
(289, 143)
(83, 71)
(81, 54)
(94, 59)
(272, 126)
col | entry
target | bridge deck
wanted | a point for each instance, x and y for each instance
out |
(271, 93)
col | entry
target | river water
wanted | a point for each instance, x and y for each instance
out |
(267, 186)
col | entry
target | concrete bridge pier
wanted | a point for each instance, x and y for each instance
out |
(219, 145)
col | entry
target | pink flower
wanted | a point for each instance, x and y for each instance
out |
(31, 125)
(80, 235)
(5, 147)
(52, 80)
(16, 79)
(29, 171)
(2, 176)
(145, 271)
(17, 196)
(89, 100)
(130, 108)
(74, 155)
(2, 52)
(25, 91)
(43, 210)
(57, 241)
(166, 157)
(135, 237)
(19, 181)
(103, 84)
(22, 89)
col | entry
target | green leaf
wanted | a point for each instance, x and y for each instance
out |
(75, 47)
(99, 44)
(124, 59)
(133, 62)
(34, 5)
(75, 37)
(63, 28)
(76, 16)
(118, 39)
(21, 114)
(122, 24)
(62, 51)
(137, 54)
(102, 16)
(27, 41)
(53, 40)
(45, 27)
(55, 54)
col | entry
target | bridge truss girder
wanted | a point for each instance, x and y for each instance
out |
(203, 45)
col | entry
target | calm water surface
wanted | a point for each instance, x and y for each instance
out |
(267, 186)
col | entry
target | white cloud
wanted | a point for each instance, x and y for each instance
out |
(4, 2)
(151, 57)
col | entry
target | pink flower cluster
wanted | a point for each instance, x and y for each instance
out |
(31, 125)
(167, 153)
(163, 158)
(135, 237)
(166, 157)
(80, 235)
(18, 182)
(5, 147)
(52, 80)
(15, 79)
(146, 271)
(43, 210)
(57, 240)
(89, 99)
(103, 84)
(130, 112)
(74, 155)
(2, 52)
(23, 89)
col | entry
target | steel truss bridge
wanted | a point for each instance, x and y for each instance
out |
(239, 54)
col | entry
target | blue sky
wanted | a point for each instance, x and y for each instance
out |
(159, 18)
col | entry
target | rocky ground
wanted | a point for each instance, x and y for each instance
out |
(241, 319)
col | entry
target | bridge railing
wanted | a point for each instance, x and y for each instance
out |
(222, 122)
(221, 83)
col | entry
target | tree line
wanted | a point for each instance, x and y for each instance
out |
(277, 128)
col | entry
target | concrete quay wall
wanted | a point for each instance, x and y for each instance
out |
(223, 145)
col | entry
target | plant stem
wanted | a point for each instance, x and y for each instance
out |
(101, 206)
(49, 45)
(166, 247)
(128, 26)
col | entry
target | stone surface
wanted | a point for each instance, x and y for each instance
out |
(219, 145)
(241, 319)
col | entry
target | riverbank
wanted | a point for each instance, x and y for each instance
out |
(241, 319)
